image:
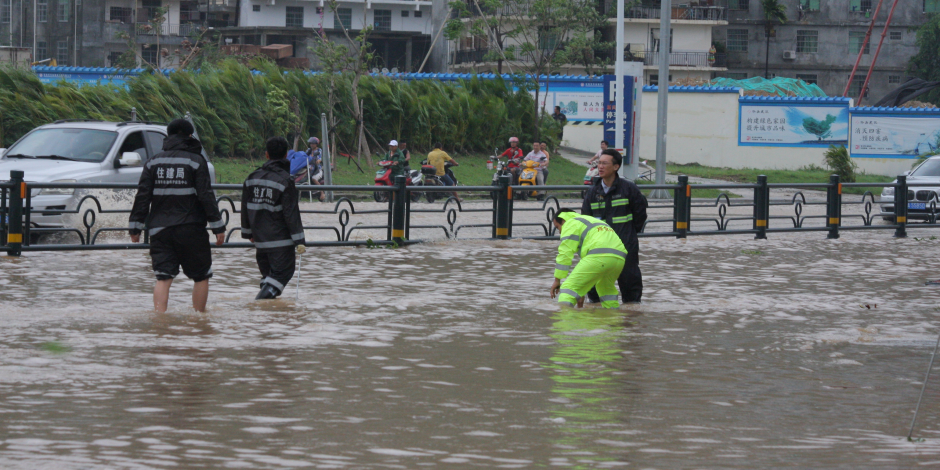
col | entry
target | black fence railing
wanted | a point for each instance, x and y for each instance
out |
(508, 215)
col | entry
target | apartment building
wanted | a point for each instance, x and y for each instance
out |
(821, 40)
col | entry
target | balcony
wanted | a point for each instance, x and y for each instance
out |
(168, 29)
(678, 59)
(695, 11)
(470, 56)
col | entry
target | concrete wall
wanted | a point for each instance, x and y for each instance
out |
(276, 15)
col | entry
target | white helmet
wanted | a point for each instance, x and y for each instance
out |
(513, 139)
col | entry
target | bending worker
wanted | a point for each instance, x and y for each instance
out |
(271, 219)
(602, 256)
(620, 203)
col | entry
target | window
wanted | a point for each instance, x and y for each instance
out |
(738, 4)
(856, 87)
(149, 10)
(62, 52)
(548, 40)
(418, 14)
(383, 20)
(342, 18)
(155, 139)
(6, 11)
(114, 58)
(42, 10)
(807, 41)
(404, 13)
(148, 52)
(931, 6)
(894, 79)
(809, 78)
(121, 14)
(189, 12)
(736, 75)
(41, 52)
(134, 143)
(860, 5)
(737, 40)
(256, 8)
(896, 35)
(62, 12)
(295, 17)
(654, 79)
(809, 5)
(856, 38)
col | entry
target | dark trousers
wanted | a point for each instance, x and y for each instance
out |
(277, 267)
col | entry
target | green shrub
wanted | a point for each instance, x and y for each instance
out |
(839, 161)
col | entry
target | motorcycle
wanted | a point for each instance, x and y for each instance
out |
(383, 177)
(316, 175)
(528, 177)
(431, 178)
(504, 168)
(589, 177)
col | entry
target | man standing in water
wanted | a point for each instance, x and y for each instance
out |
(620, 203)
(175, 203)
(271, 219)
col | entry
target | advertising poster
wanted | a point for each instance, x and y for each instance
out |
(894, 136)
(793, 126)
(580, 106)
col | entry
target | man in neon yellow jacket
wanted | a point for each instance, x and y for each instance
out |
(602, 257)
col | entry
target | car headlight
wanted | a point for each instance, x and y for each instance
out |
(887, 192)
(59, 191)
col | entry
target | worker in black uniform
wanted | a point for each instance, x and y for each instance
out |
(620, 203)
(271, 219)
(175, 203)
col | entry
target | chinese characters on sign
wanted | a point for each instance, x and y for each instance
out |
(894, 136)
(793, 126)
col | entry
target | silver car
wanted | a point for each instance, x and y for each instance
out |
(919, 198)
(81, 151)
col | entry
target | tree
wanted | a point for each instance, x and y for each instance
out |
(821, 129)
(774, 12)
(926, 63)
(534, 36)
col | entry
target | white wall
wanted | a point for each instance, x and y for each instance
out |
(276, 15)
(686, 37)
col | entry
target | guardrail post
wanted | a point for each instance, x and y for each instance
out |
(503, 196)
(398, 219)
(761, 207)
(17, 194)
(900, 207)
(834, 206)
(681, 207)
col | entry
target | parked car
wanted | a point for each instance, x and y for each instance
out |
(919, 198)
(80, 151)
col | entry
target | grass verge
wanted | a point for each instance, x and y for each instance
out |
(749, 175)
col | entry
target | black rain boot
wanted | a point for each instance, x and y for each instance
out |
(267, 292)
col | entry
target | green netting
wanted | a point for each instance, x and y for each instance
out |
(779, 86)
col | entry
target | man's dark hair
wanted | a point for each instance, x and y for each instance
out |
(605, 142)
(618, 159)
(277, 148)
(180, 127)
(559, 219)
(558, 108)
(438, 145)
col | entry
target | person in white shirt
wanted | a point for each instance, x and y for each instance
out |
(536, 155)
(597, 156)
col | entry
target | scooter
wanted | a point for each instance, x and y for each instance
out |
(530, 171)
(589, 177)
(300, 178)
(383, 177)
(431, 178)
(503, 168)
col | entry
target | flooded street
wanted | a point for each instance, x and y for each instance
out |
(791, 352)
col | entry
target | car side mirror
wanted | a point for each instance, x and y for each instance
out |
(128, 159)
(907, 172)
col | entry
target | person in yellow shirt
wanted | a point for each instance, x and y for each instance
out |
(602, 257)
(438, 158)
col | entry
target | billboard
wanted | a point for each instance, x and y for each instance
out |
(783, 125)
(894, 136)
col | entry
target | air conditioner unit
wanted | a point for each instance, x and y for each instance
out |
(790, 55)
(270, 3)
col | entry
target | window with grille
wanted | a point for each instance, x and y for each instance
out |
(41, 52)
(737, 40)
(404, 13)
(62, 10)
(342, 18)
(148, 52)
(931, 6)
(807, 41)
(114, 58)
(62, 52)
(808, 78)
(149, 10)
(856, 38)
(6, 11)
(894, 79)
(856, 87)
(42, 10)
(896, 35)
(121, 14)
(809, 5)
(418, 14)
(256, 8)
(383, 20)
(860, 5)
(189, 12)
(738, 4)
(295, 17)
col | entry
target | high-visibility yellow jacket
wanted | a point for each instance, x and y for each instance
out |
(586, 236)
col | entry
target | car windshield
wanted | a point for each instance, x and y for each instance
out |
(928, 168)
(83, 145)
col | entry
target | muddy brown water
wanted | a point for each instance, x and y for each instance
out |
(793, 352)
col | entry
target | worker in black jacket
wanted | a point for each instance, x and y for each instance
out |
(271, 219)
(620, 203)
(175, 203)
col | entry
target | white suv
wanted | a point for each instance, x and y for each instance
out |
(81, 151)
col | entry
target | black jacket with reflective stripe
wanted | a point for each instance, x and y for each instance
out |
(270, 209)
(175, 188)
(623, 208)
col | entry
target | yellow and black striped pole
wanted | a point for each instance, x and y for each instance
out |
(681, 207)
(834, 206)
(761, 207)
(503, 197)
(900, 207)
(17, 195)
(398, 216)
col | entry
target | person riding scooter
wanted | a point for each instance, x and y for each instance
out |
(537, 156)
(305, 167)
(514, 155)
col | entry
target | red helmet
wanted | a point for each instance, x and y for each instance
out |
(513, 139)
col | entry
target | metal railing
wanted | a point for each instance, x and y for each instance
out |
(678, 59)
(679, 12)
(470, 56)
(508, 212)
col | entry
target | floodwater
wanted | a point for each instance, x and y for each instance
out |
(793, 352)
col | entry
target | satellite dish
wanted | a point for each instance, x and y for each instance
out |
(384, 70)
(394, 69)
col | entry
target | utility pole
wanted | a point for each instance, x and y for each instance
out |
(665, 36)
